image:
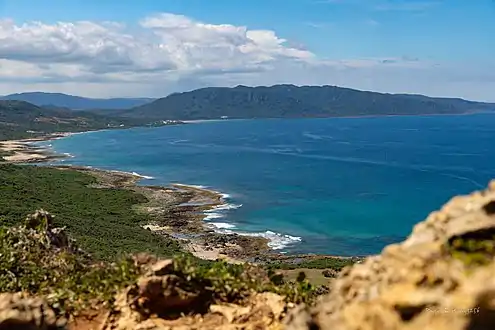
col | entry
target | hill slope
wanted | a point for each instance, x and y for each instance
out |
(441, 277)
(76, 102)
(19, 119)
(289, 101)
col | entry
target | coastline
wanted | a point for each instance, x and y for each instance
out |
(177, 211)
(23, 150)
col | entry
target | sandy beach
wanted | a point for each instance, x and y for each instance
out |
(23, 151)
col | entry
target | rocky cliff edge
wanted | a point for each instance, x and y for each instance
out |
(441, 277)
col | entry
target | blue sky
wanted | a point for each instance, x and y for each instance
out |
(452, 34)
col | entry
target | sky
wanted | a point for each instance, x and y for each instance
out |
(151, 48)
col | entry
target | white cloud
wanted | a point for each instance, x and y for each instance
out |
(166, 43)
(166, 53)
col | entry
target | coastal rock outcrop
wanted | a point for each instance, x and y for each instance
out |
(18, 312)
(441, 277)
(161, 300)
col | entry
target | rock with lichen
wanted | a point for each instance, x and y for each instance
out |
(18, 312)
(441, 277)
(163, 300)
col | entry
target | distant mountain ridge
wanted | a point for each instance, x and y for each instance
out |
(289, 101)
(20, 119)
(60, 100)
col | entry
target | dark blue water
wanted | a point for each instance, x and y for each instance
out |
(335, 186)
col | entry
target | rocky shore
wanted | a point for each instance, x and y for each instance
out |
(178, 210)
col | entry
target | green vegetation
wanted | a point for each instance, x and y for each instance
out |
(223, 282)
(102, 220)
(473, 249)
(35, 260)
(314, 276)
(289, 101)
(75, 102)
(38, 259)
(319, 263)
(20, 120)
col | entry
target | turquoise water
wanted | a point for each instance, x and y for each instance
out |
(335, 186)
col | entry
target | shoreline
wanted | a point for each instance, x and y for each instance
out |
(177, 211)
(24, 151)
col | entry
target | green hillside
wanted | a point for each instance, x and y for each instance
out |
(289, 101)
(19, 119)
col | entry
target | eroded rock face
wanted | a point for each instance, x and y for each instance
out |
(441, 277)
(27, 313)
(158, 299)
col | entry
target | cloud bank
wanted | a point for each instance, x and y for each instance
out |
(166, 53)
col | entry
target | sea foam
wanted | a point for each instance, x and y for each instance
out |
(190, 186)
(224, 207)
(142, 176)
(277, 241)
(212, 215)
(222, 225)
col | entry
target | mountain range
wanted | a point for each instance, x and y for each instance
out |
(242, 102)
(289, 101)
(76, 102)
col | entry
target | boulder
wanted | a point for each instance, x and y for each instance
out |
(442, 277)
(19, 312)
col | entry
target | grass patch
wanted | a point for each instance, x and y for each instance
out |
(314, 276)
(320, 263)
(101, 220)
(224, 282)
(474, 248)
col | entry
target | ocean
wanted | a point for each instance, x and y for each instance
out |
(337, 186)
